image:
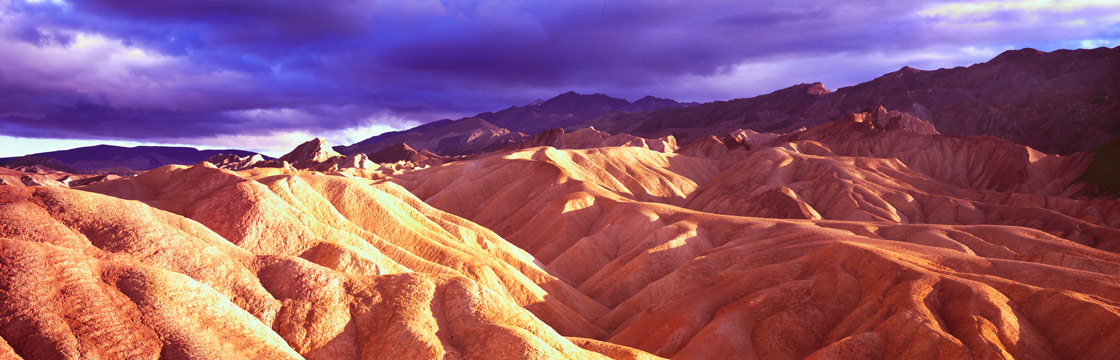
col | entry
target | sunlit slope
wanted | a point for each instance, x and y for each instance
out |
(270, 264)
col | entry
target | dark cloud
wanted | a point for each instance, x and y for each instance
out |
(132, 69)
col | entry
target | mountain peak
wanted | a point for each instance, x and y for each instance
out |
(817, 88)
(316, 150)
(908, 70)
(1018, 54)
(572, 99)
(401, 152)
(650, 102)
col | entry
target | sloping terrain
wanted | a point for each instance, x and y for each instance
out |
(210, 263)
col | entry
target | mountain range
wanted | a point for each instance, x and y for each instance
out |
(1058, 102)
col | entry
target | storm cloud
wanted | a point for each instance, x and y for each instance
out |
(225, 73)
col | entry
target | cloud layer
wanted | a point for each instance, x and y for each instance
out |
(199, 71)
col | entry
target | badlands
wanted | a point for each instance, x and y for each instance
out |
(871, 234)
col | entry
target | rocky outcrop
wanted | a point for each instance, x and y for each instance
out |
(313, 151)
(234, 162)
(313, 155)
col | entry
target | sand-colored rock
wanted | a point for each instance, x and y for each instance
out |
(314, 150)
(308, 266)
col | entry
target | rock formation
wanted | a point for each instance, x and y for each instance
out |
(313, 151)
(234, 162)
(313, 155)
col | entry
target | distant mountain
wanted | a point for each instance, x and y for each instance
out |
(568, 110)
(445, 137)
(1057, 102)
(112, 159)
(384, 138)
(779, 111)
(491, 130)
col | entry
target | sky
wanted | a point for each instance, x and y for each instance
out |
(266, 75)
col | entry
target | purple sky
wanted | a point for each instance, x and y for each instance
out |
(267, 74)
